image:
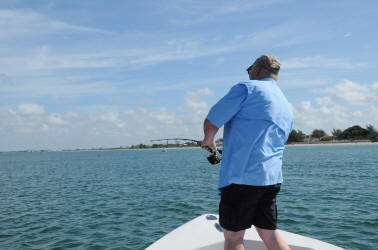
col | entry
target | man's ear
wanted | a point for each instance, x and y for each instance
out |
(257, 71)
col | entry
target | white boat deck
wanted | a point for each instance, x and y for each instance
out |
(205, 233)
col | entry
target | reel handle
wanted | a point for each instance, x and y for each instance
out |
(220, 151)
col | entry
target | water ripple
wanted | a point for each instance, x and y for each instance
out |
(128, 199)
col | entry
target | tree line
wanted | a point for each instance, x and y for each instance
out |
(352, 133)
(177, 144)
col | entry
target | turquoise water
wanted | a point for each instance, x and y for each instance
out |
(129, 199)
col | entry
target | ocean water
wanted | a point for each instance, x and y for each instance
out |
(129, 199)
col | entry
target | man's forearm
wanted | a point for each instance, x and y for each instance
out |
(209, 130)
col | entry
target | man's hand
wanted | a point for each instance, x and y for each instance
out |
(209, 145)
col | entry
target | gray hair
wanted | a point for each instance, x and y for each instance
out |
(269, 63)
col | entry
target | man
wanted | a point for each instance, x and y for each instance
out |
(257, 121)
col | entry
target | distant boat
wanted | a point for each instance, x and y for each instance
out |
(164, 150)
(205, 233)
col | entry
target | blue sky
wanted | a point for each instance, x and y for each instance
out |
(79, 74)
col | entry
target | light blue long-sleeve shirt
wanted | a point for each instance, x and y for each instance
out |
(257, 121)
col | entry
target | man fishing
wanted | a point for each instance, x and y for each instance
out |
(257, 121)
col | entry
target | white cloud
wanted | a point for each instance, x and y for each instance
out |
(164, 116)
(40, 67)
(109, 116)
(324, 101)
(129, 112)
(113, 118)
(291, 81)
(117, 126)
(31, 109)
(196, 12)
(104, 127)
(41, 59)
(353, 93)
(321, 62)
(44, 58)
(56, 119)
(72, 114)
(18, 23)
(64, 90)
(199, 93)
(307, 117)
(45, 127)
(57, 87)
(196, 108)
(346, 104)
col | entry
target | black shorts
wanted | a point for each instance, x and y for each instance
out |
(242, 206)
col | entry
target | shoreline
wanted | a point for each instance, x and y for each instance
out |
(191, 147)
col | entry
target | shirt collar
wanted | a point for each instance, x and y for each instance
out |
(268, 79)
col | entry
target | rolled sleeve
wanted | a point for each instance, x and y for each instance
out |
(228, 106)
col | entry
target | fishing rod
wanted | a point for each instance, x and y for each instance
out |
(213, 158)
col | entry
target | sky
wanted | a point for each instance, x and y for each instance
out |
(88, 74)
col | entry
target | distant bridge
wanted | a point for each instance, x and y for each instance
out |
(178, 139)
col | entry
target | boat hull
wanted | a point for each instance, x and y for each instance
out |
(205, 233)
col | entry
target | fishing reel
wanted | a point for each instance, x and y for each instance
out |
(213, 158)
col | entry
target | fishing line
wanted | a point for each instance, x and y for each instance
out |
(213, 158)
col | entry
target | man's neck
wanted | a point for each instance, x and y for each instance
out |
(262, 78)
(267, 79)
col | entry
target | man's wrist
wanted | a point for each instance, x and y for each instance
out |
(208, 138)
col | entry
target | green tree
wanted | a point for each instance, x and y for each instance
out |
(354, 132)
(372, 133)
(317, 133)
(296, 136)
(337, 132)
(142, 145)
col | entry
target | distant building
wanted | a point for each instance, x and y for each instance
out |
(328, 138)
(309, 139)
